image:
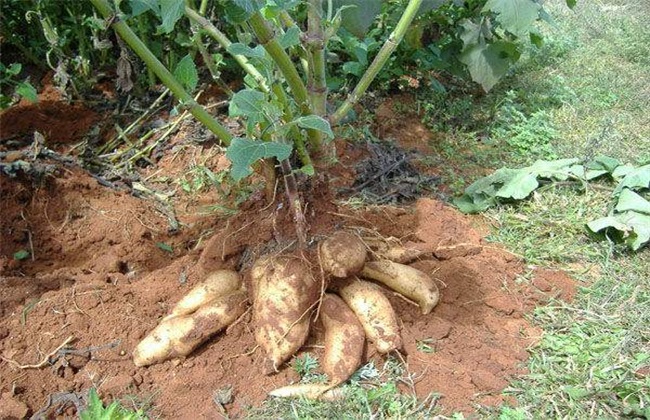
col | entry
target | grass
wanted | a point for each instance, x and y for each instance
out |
(592, 81)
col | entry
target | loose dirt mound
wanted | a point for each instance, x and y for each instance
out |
(99, 275)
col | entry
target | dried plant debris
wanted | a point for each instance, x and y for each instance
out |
(388, 177)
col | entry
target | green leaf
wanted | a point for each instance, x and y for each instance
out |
(635, 179)
(185, 72)
(488, 63)
(571, 3)
(248, 103)
(165, 247)
(474, 204)
(14, 69)
(629, 200)
(238, 11)
(245, 152)
(315, 122)
(290, 38)
(603, 162)
(536, 39)
(237, 48)
(27, 91)
(139, 7)
(21, 255)
(170, 12)
(519, 186)
(516, 16)
(358, 18)
(630, 227)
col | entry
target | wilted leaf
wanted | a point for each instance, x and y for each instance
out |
(629, 200)
(519, 186)
(245, 152)
(630, 227)
(635, 179)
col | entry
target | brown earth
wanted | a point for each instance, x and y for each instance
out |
(104, 267)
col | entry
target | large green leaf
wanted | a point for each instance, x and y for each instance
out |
(315, 122)
(515, 16)
(519, 186)
(635, 179)
(245, 152)
(170, 12)
(185, 72)
(631, 201)
(359, 14)
(487, 63)
(248, 103)
(629, 227)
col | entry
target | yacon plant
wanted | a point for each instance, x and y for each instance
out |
(283, 106)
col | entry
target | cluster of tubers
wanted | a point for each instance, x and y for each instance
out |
(286, 293)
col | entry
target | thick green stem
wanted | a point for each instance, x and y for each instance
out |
(266, 37)
(316, 45)
(163, 74)
(223, 40)
(380, 60)
(294, 131)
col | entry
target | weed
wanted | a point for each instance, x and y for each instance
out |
(115, 411)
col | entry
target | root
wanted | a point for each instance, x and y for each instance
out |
(45, 360)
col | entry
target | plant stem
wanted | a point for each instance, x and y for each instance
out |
(295, 203)
(380, 60)
(316, 45)
(267, 39)
(163, 74)
(223, 40)
(294, 132)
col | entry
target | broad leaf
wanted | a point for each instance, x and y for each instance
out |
(245, 152)
(516, 16)
(139, 7)
(185, 72)
(237, 48)
(603, 162)
(487, 63)
(358, 18)
(557, 169)
(170, 12)
(238, 11)
(571, 3)
(629, 200)
(636, 179)
(290, 38)
(519, 186)
(248, 103)
(630, 227)
(315, 122)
